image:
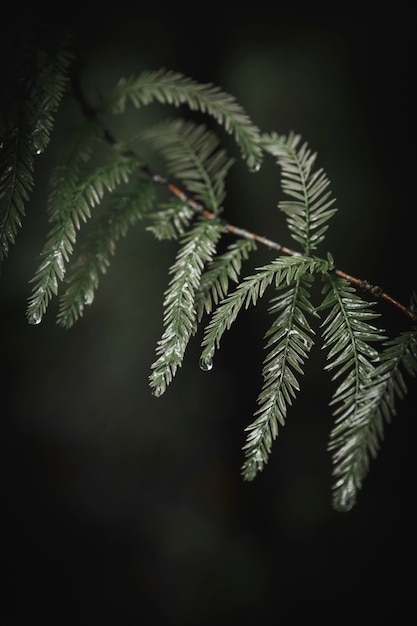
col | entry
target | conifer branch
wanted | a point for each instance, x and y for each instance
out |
(364, 285)
(284, 148)
(308, 213)
(99, 246)
(71, 201)
(47, 89)
(290, 339)
(192, 155)
(16, 184)
(369, 380)
(347, 334)
(176, 89)
(29, 105)
(281, 271)
(357, 441)
(199, 246)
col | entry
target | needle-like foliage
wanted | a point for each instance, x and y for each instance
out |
(214, 285)
(175, 89)
(104, 186)
(313, 203)
(192, 156)
(348, 335)
(71, 201)
(180, 314)
(29, 103)
(99, 246)
(357, 439)
(282, 271)
(290, 341)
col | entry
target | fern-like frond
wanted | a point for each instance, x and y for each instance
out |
(174, 88)
(214, 284)
(192, 155)
(46, 92)
(358, 442)
(347, 334)
(290, 337)
(199, 246)
(73, 195)
(312, 208)
(284, 270)
(16, 183)
(26, 121)
(99, 246)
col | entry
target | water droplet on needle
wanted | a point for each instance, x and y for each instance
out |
(206, 364)
(35, 318)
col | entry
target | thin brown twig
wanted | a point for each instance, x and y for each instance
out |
(240, 232)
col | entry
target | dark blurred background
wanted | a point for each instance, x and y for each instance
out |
(121, 508)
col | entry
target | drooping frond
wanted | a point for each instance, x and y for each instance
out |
(47, 89)
(199, 246)
(214, 284)
(360, 442)
(283, 270)
(99, 246)
(193, 156)
(174, 88)
(16, 183)
(29, 104)
(308, 213)
(347, 334)
(290, 340)
(73, 195)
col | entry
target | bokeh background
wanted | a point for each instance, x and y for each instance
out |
(121, 508)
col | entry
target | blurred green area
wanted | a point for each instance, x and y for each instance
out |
(119, 504)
